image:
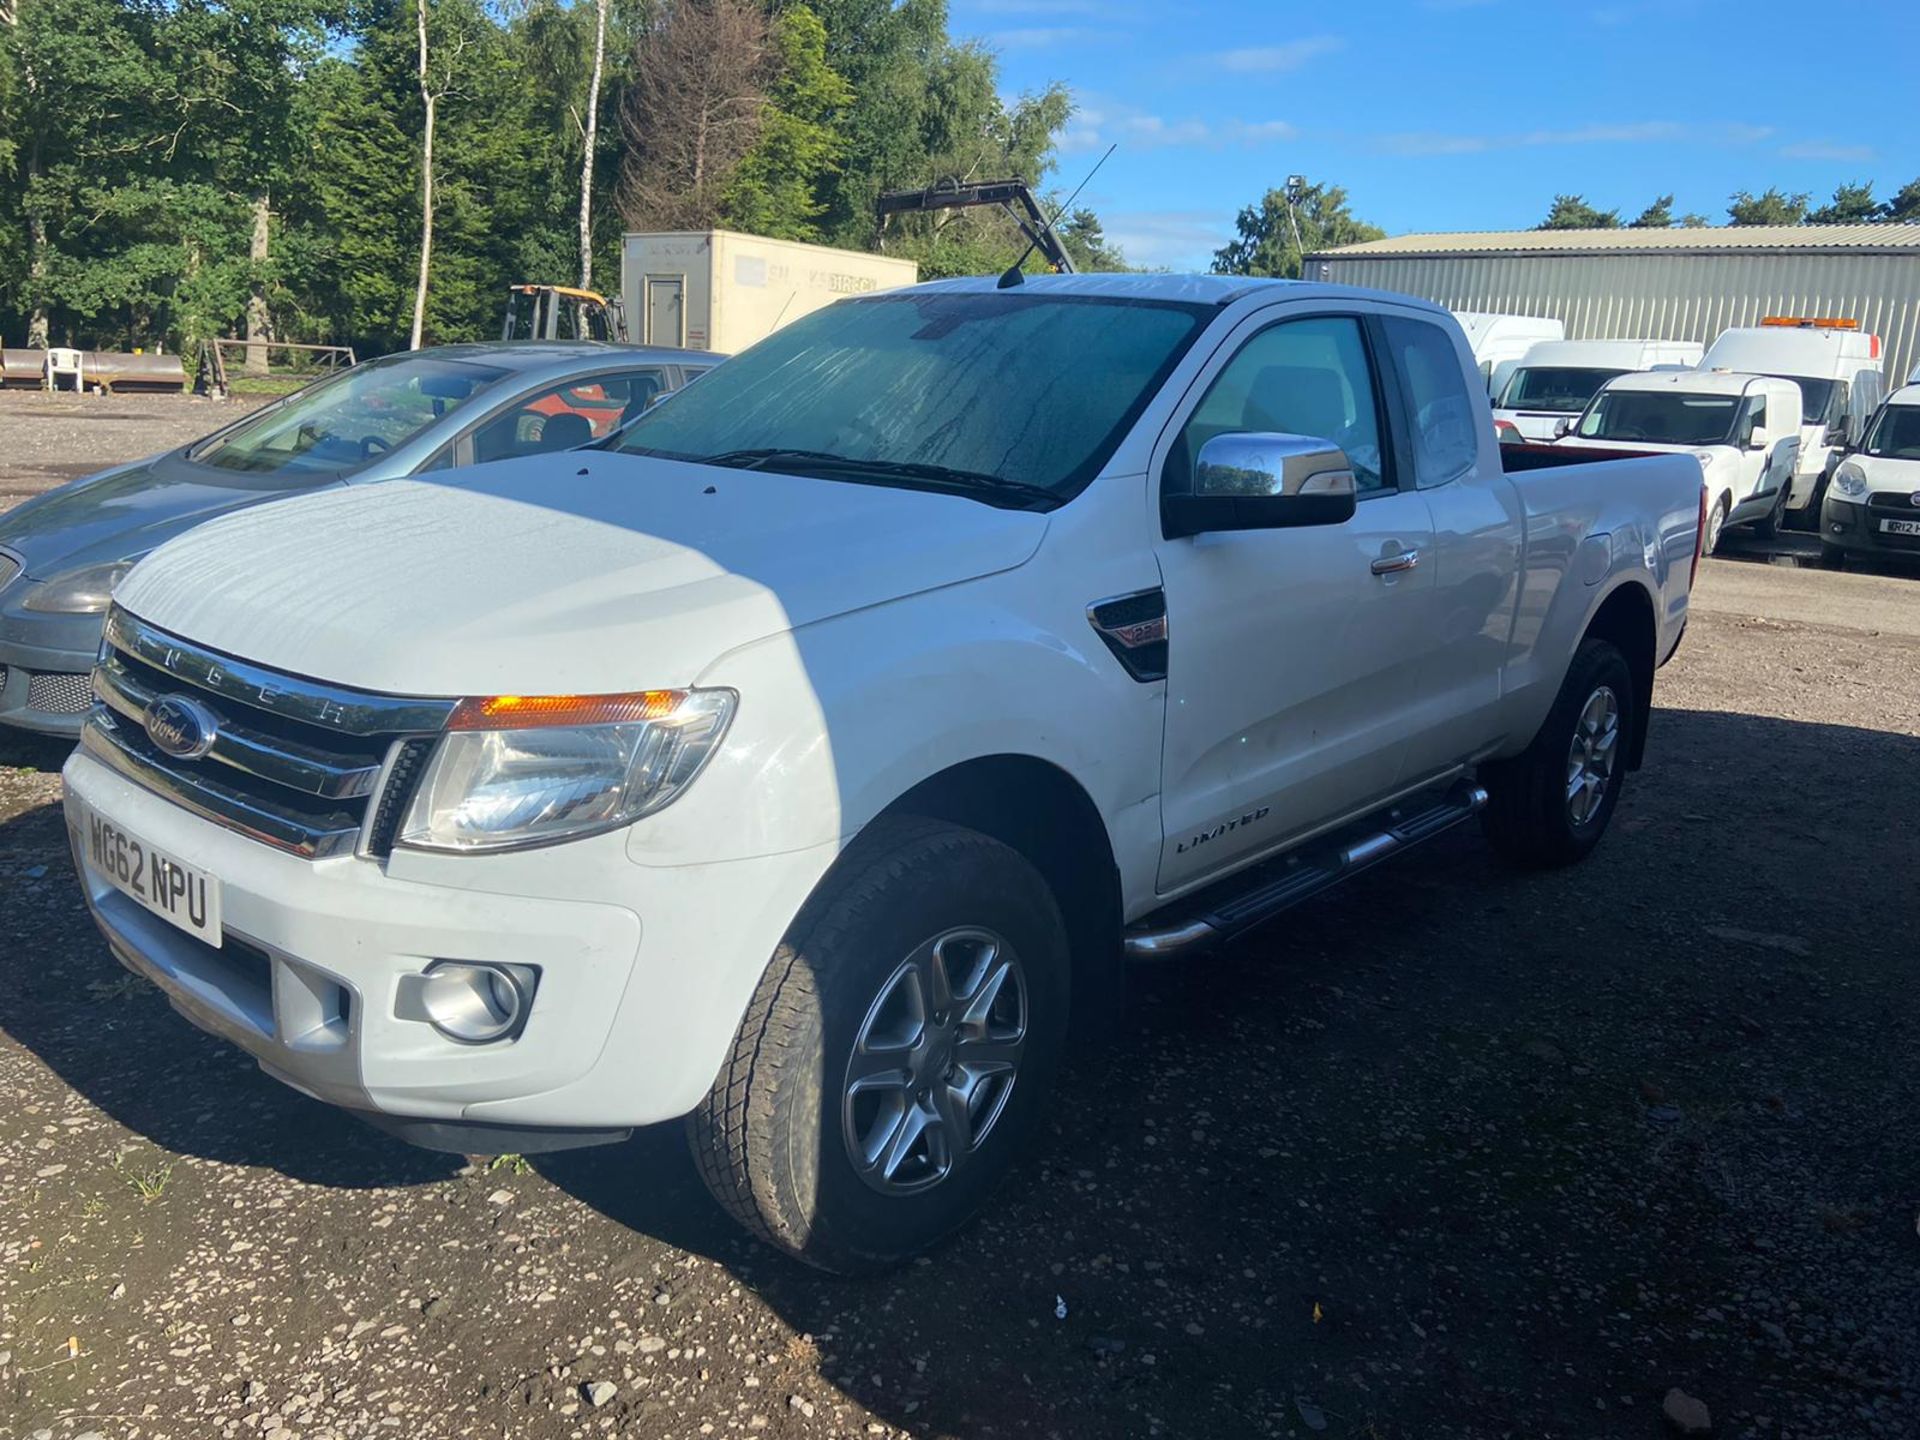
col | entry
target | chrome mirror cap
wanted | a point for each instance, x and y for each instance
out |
(1271, 466)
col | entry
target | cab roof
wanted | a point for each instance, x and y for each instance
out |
(1905, 395)
(1696, 382)
(1221, 290)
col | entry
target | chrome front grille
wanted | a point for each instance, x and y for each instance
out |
(293, 762)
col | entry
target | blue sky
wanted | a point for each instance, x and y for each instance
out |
(1460, 114)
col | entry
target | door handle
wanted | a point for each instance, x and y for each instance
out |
(1394, 564)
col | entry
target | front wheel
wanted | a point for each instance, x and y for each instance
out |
(1716, 522)
(1550, 805)
(898, 1051)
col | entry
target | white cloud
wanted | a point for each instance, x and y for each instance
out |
(1425, 142)
(1039, 37)
(1099, 122)
(1272, 59)
(1823, 150)
(1170, 239)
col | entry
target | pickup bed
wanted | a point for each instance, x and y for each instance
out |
(805, 759)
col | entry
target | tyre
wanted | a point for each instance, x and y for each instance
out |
(1716, 523)
(1769, 526)
(1550, 805)
(898, 1051)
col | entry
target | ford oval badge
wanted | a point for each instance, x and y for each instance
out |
(182, 728)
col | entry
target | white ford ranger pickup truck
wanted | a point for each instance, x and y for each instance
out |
(801, 760)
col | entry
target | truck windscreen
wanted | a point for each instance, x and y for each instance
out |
(1012, 392)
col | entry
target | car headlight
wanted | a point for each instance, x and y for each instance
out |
(85, 591)
(517, 770)
(1851, 480)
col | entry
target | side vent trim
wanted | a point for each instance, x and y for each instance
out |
(1134, 627)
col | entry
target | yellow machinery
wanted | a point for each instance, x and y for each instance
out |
(561, 312)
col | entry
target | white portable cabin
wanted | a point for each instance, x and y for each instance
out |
(721, 290)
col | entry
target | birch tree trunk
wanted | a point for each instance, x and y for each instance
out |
(431, 101)
(259, 322)
(586, 160)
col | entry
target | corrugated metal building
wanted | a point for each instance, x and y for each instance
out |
(1684, 284)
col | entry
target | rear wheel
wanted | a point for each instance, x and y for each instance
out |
(897, 1053)
(1550, 805)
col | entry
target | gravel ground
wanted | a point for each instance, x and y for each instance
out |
(51, 439)
(1452, 1153)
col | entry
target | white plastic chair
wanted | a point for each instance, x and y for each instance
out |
(66, 362)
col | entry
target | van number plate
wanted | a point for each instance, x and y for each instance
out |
(176, 892)
(1900, 527)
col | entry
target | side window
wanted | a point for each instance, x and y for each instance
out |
(1753, 415)
(1447, 417)
(1300, 377)
(564, 416)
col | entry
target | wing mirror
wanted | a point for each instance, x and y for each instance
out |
(1836, 433)
(1758, 438)
(1262, 482)
(1563, 427)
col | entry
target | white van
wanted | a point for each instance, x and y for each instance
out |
(1873, 502)
(1499, 341)
(1743, 429)
(1838, 369)
(1556, 378)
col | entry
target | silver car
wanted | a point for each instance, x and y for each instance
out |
(62, 553)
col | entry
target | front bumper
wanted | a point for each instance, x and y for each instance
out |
(45, 661)
(1853, 525)
(308, 979)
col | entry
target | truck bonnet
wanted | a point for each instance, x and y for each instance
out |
(577, 573)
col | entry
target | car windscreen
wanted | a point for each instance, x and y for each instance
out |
(1822, 402)
(1660, 417)
(992, 394)
(1564, 389)
(341, 424)
(1895, 434)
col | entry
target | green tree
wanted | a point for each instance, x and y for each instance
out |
(1772, 207)
(1852, 204)
(1264, 240)
(1657, 216)
(1694, 220)
(777, 188)
(1904, 207)
(1085, 239)
(1571, 212)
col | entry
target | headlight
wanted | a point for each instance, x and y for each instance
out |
(1850, 479)
(85, 591)
(530, 770)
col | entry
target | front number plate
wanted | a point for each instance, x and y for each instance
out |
(176, 892)
(1900, 527)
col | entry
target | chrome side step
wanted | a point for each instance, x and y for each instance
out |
(1244, 901)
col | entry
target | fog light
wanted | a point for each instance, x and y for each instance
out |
(475, 1004)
